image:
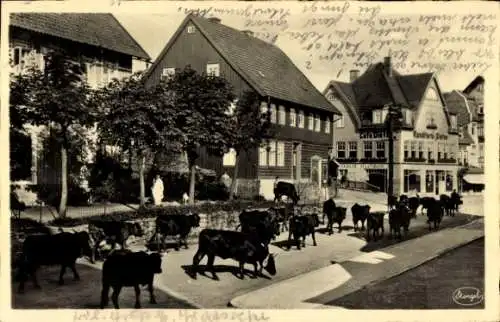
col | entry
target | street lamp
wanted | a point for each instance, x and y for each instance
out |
(394, 114)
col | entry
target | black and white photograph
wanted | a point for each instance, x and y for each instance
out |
(251, 155)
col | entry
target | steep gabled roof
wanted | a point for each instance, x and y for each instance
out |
(478, 80)
(374, 89)
(456, 103)
(263, 65)
(95, 29)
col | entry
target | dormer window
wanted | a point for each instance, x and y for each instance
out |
(377, 117)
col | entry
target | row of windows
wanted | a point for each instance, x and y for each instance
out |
(424, 149)
(371, 149)
(412, 181)
(211, 69)
(296, 118)
(272, 155)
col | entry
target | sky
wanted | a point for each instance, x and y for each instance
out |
(375, 31)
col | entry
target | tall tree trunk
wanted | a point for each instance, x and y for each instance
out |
(192, 181)
(235, 176)
(142, 193)
(64, 182)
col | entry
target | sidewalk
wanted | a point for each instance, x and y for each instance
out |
(313, 289)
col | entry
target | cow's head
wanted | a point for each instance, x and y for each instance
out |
(136, 229)
(86, 244)
(270, 266)
(155, 263)
(194, 219)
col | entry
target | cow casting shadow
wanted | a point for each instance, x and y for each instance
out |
(234, 270)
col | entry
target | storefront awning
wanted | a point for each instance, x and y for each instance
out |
(475, 178)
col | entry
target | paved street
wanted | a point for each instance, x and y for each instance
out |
(429, 286)
(175, 285)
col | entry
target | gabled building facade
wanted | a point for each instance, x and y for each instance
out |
(107, 49)
(425, 141)
(301, 115)
(475, 99)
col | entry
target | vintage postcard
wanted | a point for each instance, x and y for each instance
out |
(230, 161)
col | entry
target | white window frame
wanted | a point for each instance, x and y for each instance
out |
(280, 154)
(293, 117)
(377, 117)
(301, 119)
(274, 113)
(263, 108)
(272, 154)
(263, 155)
(370, 145)
(342, 144)
(328, 125)
(213, 69)
(317, 123)
(453, 121)
(167, 72)
(281, 115)
(191, 29)
(229, 158)
(310, 124)
(339, 123)
(350, 148)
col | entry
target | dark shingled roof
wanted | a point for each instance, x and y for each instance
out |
(263, 65)
(374, 89)
(478, 80)
(96, 29)
(457, 104)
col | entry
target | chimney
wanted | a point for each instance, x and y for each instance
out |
(388, 66)
(248, 32)
(354, 73)
(214, 19)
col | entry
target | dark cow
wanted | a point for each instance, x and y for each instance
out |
(124, 268)
(426, 202)
(48, 250)
(113, 232)
(242, 247)
(263, 224)
(413, 204)
(393, 201)
(435, 214)
(175, 225)
(302, 226)
(283, 214)
(399, 217)
(334, 215)
(375, 224)
(359, 213)
(403, 199)
(286, 189)
(447, 204)
(456, 201)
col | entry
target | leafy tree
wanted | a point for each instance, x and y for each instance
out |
(57, 97)
(250, 127)
(201, 103)
(138, 119)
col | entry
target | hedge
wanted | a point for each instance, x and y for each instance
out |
(159, 211)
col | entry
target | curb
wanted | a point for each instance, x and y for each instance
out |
(390, 275)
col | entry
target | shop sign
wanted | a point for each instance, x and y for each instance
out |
(373, 135)
(432, 136)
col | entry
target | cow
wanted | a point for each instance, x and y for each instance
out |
(413, 204)
(403, 199)
(435, 214)
(375, 223)
(175, 225)
(264, 224)
(359, 213)
(113, 232)
(242, 247)
(48, 250)
(302, 226)
(334, 215)
(456, 200)
(426, 202)
(286, 189)
(392, 202)
(399, 217)
(124, 268)
(283, 214)
(446, 204)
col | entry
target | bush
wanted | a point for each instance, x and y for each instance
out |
(160, 211)
(212, 191)
(259, 198)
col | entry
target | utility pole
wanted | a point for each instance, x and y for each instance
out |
(393, 114)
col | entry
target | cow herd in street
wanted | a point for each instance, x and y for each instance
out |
(248, 244)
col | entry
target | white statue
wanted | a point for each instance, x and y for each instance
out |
(157, 190)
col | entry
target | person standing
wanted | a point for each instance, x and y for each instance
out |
(157, 190)
(333, 167)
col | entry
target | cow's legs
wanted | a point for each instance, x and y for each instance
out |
(340, 227)
(289, 239)
(114, 297)
(76, 277)
(313, 238)
(241, 269)
(104, 295)
(210, 266)
(137, 296)
(61, 274)
(196, 261)
(152, 299)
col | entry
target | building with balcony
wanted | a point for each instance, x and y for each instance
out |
(425, 140)
(301, 115)
(103, 44)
